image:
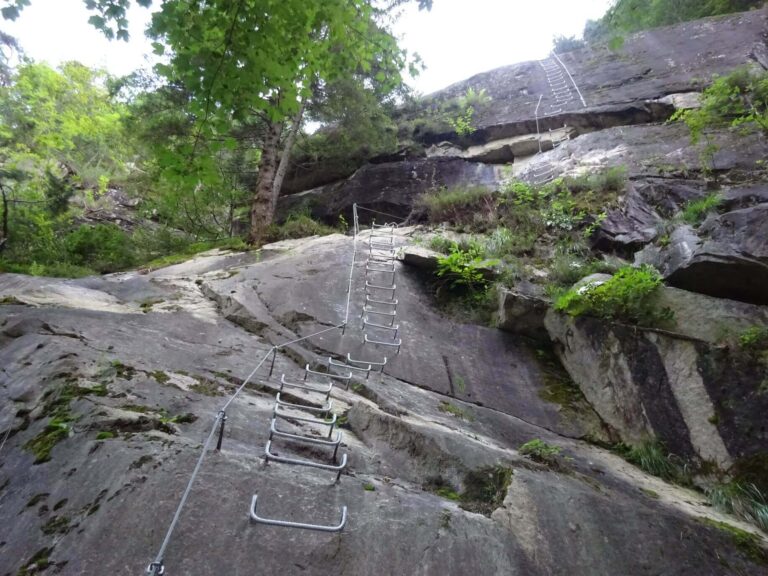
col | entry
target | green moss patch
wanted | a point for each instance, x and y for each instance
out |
(42, 444)
(747, 543)
(454, 410)
(56, 525)
(37, 563)
(485, 489)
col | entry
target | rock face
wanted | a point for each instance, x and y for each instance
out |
(680, 385)
(727, 257)
(153, 374)
(389, 187)
(622, 84)
(655, 73)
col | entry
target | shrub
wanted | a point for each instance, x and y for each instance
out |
(567, 43)
(733, 100)
(754, 338)
(442, 244)
(104, 247)
(696, 210)
(652, 457)
(298, 226)
(565, 269)
(629, 295)
(461, 273)
(540, 451)
(744, 500)
(459, 205)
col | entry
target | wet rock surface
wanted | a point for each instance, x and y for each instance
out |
(102, 502)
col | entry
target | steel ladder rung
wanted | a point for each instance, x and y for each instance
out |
(299, 438)
(367, 310)
(391, 266)
(327, 408)
(394, 328)
(331, 422)
(369, 285)
(337, 364)
(285, 523)
(299, 462)
(303, 386)
(371, 362)
(395, 344)
(389, 302)
(308, 370)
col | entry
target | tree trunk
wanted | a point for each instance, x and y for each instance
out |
(264, 199)
(286, 155)
(4, 235)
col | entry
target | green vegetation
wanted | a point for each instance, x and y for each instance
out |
(626, 16)
(105, 435)
(298, 226)
(754, 339)
(540, 451)
(652, 457)
(696, 210)
(750, 544)
(741, 499)
(56, 525)
(628, 296)
(454, 410)
(739, 99)
(197, 146)
(41, 445)
(567, 43)
(37, 563)
(160, 377)
(460, 205)
(485, 488)
(462, 271)
(368, 487)
(519, 231)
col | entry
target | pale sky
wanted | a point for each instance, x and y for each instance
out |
(457, 39)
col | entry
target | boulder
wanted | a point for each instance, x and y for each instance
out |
(522, 310)
(630, 227)
(681, 384)
(727, 257)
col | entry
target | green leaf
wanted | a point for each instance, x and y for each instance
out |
(10, 12)
(97, 22)
(158, 48)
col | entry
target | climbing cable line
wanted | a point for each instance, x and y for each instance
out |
(381, 259)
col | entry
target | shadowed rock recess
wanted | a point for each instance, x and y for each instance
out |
(110, 386)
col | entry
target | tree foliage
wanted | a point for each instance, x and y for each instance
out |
(626, 16)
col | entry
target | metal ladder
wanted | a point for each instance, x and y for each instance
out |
(558, 85)
(379, 329)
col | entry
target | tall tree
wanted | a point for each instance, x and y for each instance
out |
(245, 58)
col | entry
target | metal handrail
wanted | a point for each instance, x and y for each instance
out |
(320, 528)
